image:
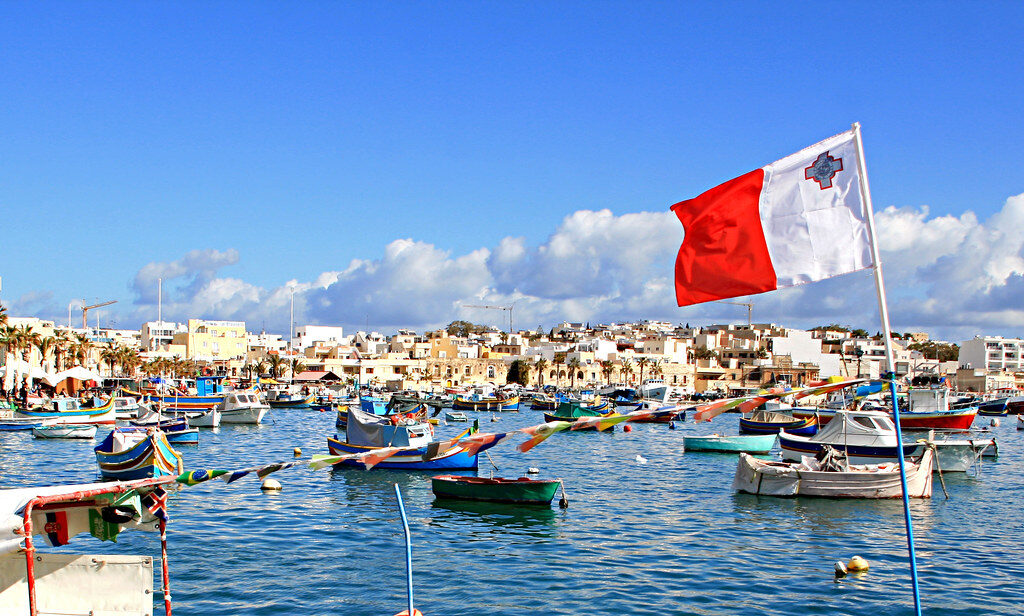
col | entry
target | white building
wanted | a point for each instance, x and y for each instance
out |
(992, 353)
(157, 334)
(804, 348)
(326, 335)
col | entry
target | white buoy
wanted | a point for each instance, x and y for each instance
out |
(270, 485)
(640, 459)
(533, 470)
(840, 569)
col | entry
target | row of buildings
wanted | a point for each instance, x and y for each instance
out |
(722, 358)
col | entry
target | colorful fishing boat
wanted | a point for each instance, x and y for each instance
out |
(366, 432)
(993, 408)
(833, 478)
(743, 443)
(176, 429)
(771, 422)
(522, 491)
(929, 409)
(82, 431)
(571, 410)
(543, 402)
(69, 411)
(485, 403)
(291, 401)
(136, 453)
(17, 424)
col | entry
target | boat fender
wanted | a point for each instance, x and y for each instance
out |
(840, 569)
(857, 564)
(270, 485)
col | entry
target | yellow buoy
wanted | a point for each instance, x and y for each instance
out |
(297, 452)
(857, 564)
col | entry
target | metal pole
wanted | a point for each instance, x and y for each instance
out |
(408, 547)
(889, 358)
(166, 572)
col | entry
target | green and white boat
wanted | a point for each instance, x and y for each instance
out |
(743, 443)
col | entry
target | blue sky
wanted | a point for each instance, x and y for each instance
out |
(388, 162)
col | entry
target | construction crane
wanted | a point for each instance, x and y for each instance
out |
(86, 309)
(750, 309)
(509, 308)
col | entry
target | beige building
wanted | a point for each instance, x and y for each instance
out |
(213, 340)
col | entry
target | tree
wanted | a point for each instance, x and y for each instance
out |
(627, 369)
(277, 365)
(108, 355)
(642, 363)
(574, 366)
(703, 352)
(3, 315)
(937, 350)
(540, 365)
(45, 345)
(859, 333)
(297, 366)
(461, 329)
(61, 344)
(518, 372)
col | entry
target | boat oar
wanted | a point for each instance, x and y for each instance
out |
(563, 502)
(491, 461)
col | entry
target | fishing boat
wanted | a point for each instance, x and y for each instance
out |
(743, 443)
(543, 402)
(477, 402)
(366, 432)
(135, 453)
(771, 422)
(65, 431)
(833, 477)
(69, 411)
(456, 416)
(126, 407)
(869, 437)
(286, 400)
(571, 410)
(521, 491)
(176, 429)
(930, 409)
(17, 424)
(993, 408)
(242, 408)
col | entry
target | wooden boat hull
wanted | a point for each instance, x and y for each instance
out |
(520, 491)
(538, 405)
(15, 424)
(805, 426)
(251, 415)
(65, 431)
(993, 408)
(100, 415)
(453, 458)
(744, 443)
(492, 404)
(153, 456)
(188, 436)
(755, 476)
(187, 403)
(304, 403)
(960, 419)
(794, 449)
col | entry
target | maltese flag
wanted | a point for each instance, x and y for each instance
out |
(797, 220)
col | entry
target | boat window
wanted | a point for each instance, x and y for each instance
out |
(864, 421)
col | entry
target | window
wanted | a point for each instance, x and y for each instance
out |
(490, 372)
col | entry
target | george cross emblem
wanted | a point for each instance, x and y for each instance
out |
(823, 169)
(51, 527)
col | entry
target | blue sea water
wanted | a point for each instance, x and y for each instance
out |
(663, 537)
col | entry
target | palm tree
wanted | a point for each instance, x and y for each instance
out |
(574, 366)
(296, 367)
(607, 368)
(45, 345)
(60, 347)
(129, 360)
(540, 365)
(627, 369)
(108, 355)
(276, 366)
(3, 314)
(643, 362)
(26, 339)
(82, 344)
(259, 368)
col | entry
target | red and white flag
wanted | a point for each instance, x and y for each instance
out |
(797, 220)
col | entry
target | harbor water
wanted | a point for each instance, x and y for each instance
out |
(664, 534)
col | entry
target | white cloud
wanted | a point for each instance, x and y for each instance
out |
(953, 276)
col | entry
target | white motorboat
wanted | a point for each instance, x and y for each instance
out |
(55, 430)
(456, 416)
(833, 477)
(206, 419)
(242, 408)
(869, 437)
(126, 407)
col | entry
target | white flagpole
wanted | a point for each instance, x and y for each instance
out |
(889, 357)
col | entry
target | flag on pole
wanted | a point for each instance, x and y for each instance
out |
(797, 220)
